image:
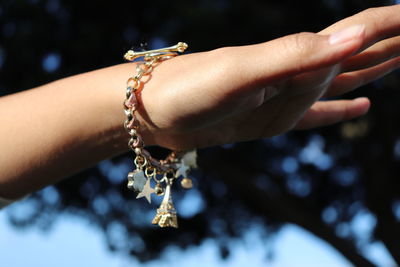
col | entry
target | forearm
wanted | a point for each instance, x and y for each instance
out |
(55, 130)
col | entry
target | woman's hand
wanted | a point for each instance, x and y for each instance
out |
(256, 91)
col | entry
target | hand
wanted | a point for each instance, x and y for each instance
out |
(243, 93)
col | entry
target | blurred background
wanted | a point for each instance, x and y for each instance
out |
(329, 197)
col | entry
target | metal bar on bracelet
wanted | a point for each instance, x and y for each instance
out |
(163, 52)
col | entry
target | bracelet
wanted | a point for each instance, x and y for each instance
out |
(162, 172)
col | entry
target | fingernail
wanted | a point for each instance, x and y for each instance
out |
(346, 34)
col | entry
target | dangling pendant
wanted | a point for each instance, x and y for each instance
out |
(187, 183)
(166, 213)
(146, 192)
(136, 180)
(190, 159)
(159, 190)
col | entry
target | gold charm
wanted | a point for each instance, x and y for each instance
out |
(159, 190)
(187, 183)
(166, 213)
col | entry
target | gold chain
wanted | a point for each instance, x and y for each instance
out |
(162, 172)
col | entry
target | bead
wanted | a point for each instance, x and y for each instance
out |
(187, 183)
(132, 132)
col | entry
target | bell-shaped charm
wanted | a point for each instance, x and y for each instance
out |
(187, 183)
(166, 213)
(159, 190)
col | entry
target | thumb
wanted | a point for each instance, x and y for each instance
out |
(291, 55)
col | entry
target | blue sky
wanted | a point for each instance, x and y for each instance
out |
(73, 242)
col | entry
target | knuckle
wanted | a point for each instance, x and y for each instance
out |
(301, 46)
(302, 43)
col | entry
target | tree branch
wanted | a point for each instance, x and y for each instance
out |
(286, 209)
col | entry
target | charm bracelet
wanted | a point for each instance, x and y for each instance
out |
(162, 172)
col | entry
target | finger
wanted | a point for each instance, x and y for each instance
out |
(349, 81)
(328, 112)
(371, 18)
(253, 66)
(374, 55)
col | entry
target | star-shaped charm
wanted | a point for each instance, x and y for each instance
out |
(136, 180)
(146, 192)
(189, 159)
(182, 171)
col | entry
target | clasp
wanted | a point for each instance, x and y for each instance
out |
(157, 53)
